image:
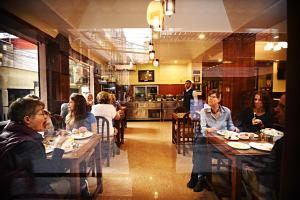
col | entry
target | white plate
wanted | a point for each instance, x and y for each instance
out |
(221, 132)
(49, 149)
(82, 136)
(272, 132)
(238, 145)
(261, 146)
(244, 135)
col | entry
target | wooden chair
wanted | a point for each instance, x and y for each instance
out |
(185, 133)
(110, 140)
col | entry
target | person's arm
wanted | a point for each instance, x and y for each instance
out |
(32, 156)
(230, 125)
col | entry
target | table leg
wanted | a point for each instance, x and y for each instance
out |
(75, 180)
(236, 179)
(99, 188)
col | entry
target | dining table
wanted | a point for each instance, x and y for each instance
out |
(86, 149)
(236, 156)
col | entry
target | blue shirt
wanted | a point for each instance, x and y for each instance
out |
(209, 120)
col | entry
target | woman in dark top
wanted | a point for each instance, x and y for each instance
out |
(259, 115)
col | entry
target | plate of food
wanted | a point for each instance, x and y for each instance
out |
(230, 135)
(272, 132)
(239, 145)
(262, 146)
(68, 145)
(221, 132)
(48, 148)
(244, 135)
(81, 133)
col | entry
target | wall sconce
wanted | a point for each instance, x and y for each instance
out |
(155, 15)
(152, 55)
(150, 47)
(156, 63)
(169, 7)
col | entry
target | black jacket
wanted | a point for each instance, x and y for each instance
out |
(25, 169)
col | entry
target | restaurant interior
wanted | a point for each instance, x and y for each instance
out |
(143, 51)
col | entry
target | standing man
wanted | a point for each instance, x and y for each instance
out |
(189, 95)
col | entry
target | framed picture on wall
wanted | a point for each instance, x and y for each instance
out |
(146, 75)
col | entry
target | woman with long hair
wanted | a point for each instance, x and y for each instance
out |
(259, 115)
(79, 114)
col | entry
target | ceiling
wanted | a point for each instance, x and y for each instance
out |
(98, 25)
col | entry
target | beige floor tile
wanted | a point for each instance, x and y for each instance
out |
(148, 166)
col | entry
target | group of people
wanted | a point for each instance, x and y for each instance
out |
(260, 176)
(25, 170)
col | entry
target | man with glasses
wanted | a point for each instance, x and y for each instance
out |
(261, 177)
(25, 171)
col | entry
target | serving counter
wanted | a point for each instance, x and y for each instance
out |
(154, 110)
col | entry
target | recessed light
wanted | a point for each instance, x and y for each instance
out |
(175, 61)
(220, 60)
(201, 36)
(276, 36)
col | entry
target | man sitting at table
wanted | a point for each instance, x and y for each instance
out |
(25, 171)
(261, 177)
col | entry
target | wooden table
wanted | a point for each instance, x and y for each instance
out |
(236, 156)
(73, 159)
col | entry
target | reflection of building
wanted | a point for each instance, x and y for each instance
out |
(79, 77)
(18, 70)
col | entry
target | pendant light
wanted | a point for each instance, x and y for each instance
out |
(156, 63)
(150, 47)
(155, 15)
(169, 7)
(152, 55)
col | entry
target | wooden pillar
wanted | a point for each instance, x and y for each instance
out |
(239, 71)
(58, 78)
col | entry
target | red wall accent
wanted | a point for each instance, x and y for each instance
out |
(171, 89)
(23, 44)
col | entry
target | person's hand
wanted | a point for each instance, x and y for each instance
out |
(211, 130)
(256, 121)
(236, 130)
(62, 136)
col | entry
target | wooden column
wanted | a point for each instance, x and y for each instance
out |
(58, 78)
(239, 71)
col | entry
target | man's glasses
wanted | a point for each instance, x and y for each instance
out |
(212, 97)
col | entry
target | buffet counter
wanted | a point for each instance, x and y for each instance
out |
(151, 110)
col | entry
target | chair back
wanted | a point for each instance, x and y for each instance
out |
(58, 121)
(188, 126)
(102, 123)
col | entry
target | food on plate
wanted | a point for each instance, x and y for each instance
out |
(238, 145)
(244, 136)
(230, 135)
(262, 146)
(75, 131)
(272, 132)
(83, 129)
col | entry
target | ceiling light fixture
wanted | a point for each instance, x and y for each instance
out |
(275, 47)
(155, 15)
(156, 63)
(150, 47)
(201, 36)
(169, 7)
(152, 55)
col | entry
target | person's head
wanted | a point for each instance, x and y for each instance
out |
(103, 97)
(188, 84)
(33, 96)
(77, 105)
(89, 98)
(260, 100)
(213, 97)
(113, 98)
(280, 110)
(28, 111)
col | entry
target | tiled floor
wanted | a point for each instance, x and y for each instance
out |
(148, 167)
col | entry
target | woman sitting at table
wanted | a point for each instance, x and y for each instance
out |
(79, 115)
(105, 109)
(25, 171)
(213, 117)
(259, 115)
